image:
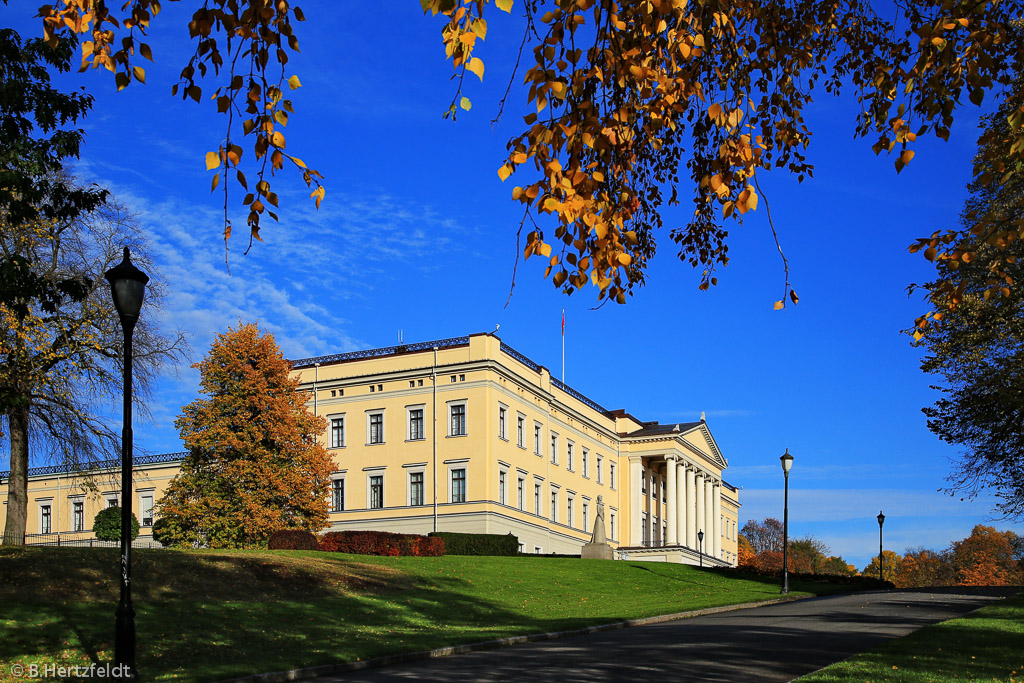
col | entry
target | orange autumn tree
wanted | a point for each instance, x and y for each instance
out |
(986, 558)
(254, 464)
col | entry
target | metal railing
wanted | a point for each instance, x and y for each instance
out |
(383, 351)
(75, 467)
(75, 539)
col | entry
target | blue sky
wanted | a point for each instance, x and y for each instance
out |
(417, 234)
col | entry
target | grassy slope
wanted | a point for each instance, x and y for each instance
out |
(986, 645)
(248, 612)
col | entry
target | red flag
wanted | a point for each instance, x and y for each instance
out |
(563, 322)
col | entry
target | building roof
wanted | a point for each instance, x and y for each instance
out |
(72, 468)
(655, 429)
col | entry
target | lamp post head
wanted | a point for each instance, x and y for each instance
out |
(881, 518)
(128, 289)
(700, 536)
(787, 461)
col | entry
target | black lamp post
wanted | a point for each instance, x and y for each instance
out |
(881, 520)
(700, 547)
(787, 463)
(128, 289)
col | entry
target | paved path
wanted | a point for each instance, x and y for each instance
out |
(773, 643)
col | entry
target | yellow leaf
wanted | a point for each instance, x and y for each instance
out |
(212, 160)
(504, 172)
(465, 103)
(778, 305)
(145, 51)
(277, 139)
(140, 74)
(505, 5)
(476, 65)
(714, 111)
(215, 182)
(294, 82)
(545, 249)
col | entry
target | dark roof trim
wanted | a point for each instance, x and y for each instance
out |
(72, 468)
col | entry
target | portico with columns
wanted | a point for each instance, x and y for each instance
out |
(680, 507)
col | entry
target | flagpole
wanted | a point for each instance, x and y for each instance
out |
(563, 346)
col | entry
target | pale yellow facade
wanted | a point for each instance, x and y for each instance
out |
(469, 435)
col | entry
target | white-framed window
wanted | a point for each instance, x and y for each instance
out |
(554, 506)
(569, 509)
(611, 475)
(586, 515)
(375, 483)
(111, 499)
(338, 494)
(537, 429)
(503, 487)
(46, 517)
(416, 487)
(458, 477)
(586, 463)
(645, 532)
(643, 481)
(521, 430)
(568, 455)
(600, 474)
(503, 422)
(417, 431)
(521, 493)
(374, 427)
(457, 418)
(337, 429)
(554, 448)
(611, 525)
(78, 515)
(536, 499)
(146, 507)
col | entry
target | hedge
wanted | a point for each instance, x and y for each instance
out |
(478, 544)
(292, 539)
(382, 543)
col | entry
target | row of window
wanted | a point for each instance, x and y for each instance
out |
(78, 512)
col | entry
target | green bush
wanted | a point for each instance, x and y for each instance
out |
(160, 531)
(478, 544)
(107, 524)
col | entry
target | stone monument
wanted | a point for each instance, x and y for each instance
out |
(598, 548)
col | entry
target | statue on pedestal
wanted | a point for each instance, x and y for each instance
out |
(598, 548)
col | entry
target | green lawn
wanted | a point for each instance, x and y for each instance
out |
(986, 645)
(250, 612)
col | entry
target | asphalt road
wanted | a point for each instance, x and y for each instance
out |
(773, 643)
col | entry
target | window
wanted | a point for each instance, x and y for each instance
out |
(521, 484)
(502, 423)
(520, 431)
(337, 432)
(586, 463)
(568, 455)
(453, 378)
(412, 384)
(600, 476)
(146, 508)
(459, 485)
(611, 524)
(376, 428)
(45, 519)
(458, 412)
(586, 516)
(376, 491)
(536, 499)
(568, 511)
(337, 495)
(111, 500)
(462, 378)
(502, 479)
(78, 516)
(415, 488)
(554, 449)
(536, 438)
(611, 474)
(643, 481)
(643, 529)
(416, 424)
(554, 506)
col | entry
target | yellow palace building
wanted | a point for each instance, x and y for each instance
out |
(467, 434)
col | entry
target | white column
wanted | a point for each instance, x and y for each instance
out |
(680, 502)
(636, 477)
(671, 537)
(709, 511)
(717, 508)
(702, 519)
(691, 508)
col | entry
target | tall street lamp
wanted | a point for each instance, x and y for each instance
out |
(128, 289)
(787, 463)
(881, 520)
(700, 546)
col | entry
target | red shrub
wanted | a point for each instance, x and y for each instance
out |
(431, 546)
(381, 543)
(292, 539)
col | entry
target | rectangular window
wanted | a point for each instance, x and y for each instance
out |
(586, 463)
(586, 516)
(521, 484)
(521, 431)
(643, 482)
(112, 501)
(611, 525)
(458, 419)
(568, 455)
(416, 488)
(554, 506)
(600, 461)
(78, 516)
(338, 495)
(502, 480)
(536, 438)
(568, 511)
(416, 424)
(146, 509)
(611, 474)
(45, 519)
(377, 492)
(337, 432)
(502, 423)
(459, 485)
(536, 499)
(554, 449)
(376, 428)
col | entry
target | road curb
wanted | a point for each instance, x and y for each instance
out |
(307, 672)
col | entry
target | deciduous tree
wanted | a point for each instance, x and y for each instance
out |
(61, 361)
(986, 558)
(891, 564)
(254, 464)
(922, 567)
(764, 536)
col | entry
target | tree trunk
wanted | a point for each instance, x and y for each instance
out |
(17, 485)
